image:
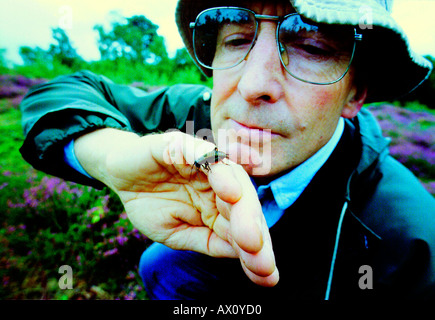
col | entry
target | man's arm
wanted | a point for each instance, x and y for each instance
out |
(56, 112)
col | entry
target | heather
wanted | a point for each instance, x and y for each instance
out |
(412, 133)
(47, 222)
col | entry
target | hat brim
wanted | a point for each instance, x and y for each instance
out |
(384, 59)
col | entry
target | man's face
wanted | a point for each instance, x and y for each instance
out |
(259, 94)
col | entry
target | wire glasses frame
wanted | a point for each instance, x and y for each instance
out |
(281, 47)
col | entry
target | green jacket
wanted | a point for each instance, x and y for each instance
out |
(383, 198)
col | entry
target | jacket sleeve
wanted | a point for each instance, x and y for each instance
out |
(69, 106)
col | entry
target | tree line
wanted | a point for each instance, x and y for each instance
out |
(131, 45)
(132, 50)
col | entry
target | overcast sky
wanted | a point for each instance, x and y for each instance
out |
(29, 22)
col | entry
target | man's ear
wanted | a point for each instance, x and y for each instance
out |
(357, 97)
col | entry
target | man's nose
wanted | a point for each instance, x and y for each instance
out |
(262, 74)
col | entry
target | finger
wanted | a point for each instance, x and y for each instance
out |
(181, 151)
(215, 220)
(263, 262)
(250, 236)
(224, 183)
(223, 208)
(260, 268)
(242, 209)
(176, 151)
(202, 240)
(194, 148)
(222, 227)
(181, 228)
(268, 281)
(246, 216)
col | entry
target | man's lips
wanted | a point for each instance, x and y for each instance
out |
(252, 133)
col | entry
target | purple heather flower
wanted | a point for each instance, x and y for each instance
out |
(430, 186)
(15, 205)
(29, 198)
(130, 275)
(23, 81)
(110, 252)
(121, 239)
(405, 149)
(11, 91)
(387, 125)
(425, 138)
(7, 173)
(130, 296)
(91, 211)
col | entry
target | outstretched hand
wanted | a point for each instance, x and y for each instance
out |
(214, 212)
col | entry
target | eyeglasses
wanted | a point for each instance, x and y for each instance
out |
(317, 54)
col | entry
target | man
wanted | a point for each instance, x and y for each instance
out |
(307, 171)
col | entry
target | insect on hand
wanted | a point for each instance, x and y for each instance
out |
(210, 157)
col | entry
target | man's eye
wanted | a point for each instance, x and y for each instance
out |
(314, 50)
(237, 42)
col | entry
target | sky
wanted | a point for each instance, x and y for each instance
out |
(29, 22)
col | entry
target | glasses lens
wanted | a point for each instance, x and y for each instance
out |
(223, 37)
(316, 54)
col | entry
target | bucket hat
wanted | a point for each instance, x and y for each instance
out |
(384, 57)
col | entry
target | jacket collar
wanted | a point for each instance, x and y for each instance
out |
(374, 150)
(374, 144)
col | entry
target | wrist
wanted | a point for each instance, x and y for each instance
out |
(93, 149)
(70, 158)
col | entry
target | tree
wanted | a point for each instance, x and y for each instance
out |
(182, 59)
(31, 56)
(3, 61)
(136, 40)
(63, 51)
